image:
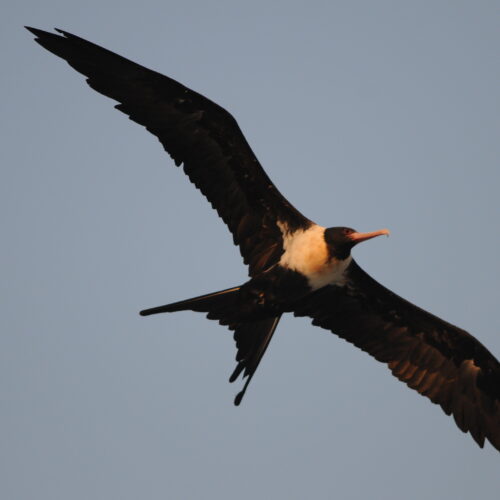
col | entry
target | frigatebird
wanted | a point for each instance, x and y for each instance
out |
(294, 265)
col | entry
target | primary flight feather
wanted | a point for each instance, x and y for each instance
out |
(294, 264)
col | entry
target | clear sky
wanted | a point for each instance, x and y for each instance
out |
(365, 114)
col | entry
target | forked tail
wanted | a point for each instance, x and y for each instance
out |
(252, 340)
(211, 302)
(252, 337)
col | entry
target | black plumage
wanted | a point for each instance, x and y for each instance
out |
(439, 360)
(294, 265)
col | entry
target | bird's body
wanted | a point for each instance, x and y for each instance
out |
(295, 266)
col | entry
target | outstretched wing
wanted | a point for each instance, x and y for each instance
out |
(439, 360)
(196, 133)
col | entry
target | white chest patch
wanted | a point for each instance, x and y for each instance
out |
(306, 252)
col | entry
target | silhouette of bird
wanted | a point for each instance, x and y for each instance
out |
(294, 265)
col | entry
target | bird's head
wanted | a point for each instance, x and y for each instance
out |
(340, 240)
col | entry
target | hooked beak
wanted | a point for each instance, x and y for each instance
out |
(359, 237)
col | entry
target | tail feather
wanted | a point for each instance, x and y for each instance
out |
(229, 308)
(210, 302)
(252, 340)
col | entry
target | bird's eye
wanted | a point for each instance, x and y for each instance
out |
(347, 231)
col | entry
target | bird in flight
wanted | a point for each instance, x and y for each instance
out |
(294, 265)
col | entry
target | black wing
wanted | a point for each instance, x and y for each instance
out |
(197, 133)
(439, 360)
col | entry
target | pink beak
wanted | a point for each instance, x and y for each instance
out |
(359, 237)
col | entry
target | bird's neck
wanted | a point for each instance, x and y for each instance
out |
(307, 252)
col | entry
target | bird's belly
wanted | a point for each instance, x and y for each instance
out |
(329, 273)
(319, 270)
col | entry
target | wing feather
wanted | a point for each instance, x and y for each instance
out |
(198, 134)
(440, 361)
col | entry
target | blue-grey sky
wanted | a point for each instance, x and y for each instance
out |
(365, 114)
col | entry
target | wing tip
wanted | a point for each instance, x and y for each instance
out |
(35, 31)
(40, 33)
